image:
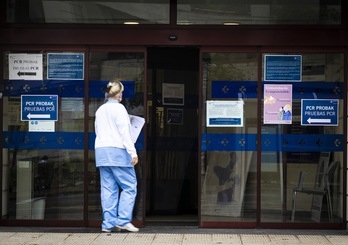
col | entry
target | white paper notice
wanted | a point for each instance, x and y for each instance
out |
(137, 124)
(41, 126)
(25, 66)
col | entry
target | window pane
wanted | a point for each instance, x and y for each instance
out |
(256, 12)
(43, 161)
(105, 66)
(229, 160)
(88, 12)
(292, 154)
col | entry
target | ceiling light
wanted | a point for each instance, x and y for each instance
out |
(231, 23)
(131, 23)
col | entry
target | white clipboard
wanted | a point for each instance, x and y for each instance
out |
(137, 124)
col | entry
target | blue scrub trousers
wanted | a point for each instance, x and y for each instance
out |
(118, 193)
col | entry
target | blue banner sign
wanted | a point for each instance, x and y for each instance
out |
(283, 68)
(321, 112)
(273, 142)
(39, 107)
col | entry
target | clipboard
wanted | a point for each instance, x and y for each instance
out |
(137, 124)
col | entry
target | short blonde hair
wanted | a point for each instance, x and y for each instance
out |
(114, 87)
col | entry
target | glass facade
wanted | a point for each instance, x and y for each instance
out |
(189, 12)
(88, 12)
(295, 174)
(243, 128)
(255, 12)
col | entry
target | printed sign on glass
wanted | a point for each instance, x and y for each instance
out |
(25, 66)
(319, 112)
(39, 107)
(225, 113)
(279, 68)
(173, 94)
(65, 66)
(277, 102)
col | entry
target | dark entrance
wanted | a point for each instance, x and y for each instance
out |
(172, 164)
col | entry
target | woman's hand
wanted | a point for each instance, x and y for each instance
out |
(134, 161)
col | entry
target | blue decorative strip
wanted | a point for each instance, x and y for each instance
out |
(229, 142)
(97, 89)
(62, 88)
(210, 142)
(234, 89)
(56, 140)
(301, 90)
(273, 142)
(43, 140)
(91, 140)
(302, 142)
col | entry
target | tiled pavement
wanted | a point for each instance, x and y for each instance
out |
(169, 236)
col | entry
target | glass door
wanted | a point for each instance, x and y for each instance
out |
(229, 136)
(302, 138)
(104, 66)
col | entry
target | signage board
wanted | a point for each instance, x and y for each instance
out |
(25, 66)
(175, 116)
(39, 107)
(65, 66)
(283, 68)
(319, 112)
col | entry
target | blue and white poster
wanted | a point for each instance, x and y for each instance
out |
(65, 66)
(39, 107)
(225, 113)
(319, 112)
(283, 68)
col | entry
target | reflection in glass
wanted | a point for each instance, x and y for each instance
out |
(268, 12)
(45, 184)
(229, 163)
(88, 12)
(292, 154)
(229, 186)
(43, 166)
(189, 12)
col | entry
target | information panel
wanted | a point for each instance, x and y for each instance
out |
(225, 113)
(287, 68)
(65, 66)
(319, 112)
(39, 107)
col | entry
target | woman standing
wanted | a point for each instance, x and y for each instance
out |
(116, 157)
